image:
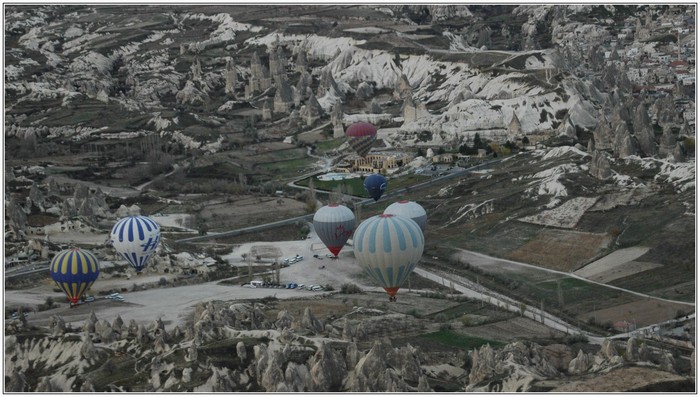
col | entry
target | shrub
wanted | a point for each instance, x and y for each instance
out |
(350, 289)
(441, 318)
(48, 304)
(268, 299)
(414, 312)
(578, 338)
(328, 287)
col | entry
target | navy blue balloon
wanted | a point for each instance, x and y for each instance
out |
(375, 185)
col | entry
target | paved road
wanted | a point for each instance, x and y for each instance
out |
(250, 229)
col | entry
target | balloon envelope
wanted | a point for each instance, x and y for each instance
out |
(388, 247)
(375, 185)
(74, 270)
(409, 209)
(361, 136)
(334, 225)
(135, 238)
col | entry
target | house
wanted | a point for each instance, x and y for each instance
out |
(445, 158)
(623, 326)
(374, 162)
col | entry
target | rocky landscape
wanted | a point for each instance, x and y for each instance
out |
(576, 123)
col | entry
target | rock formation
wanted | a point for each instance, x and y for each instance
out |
(644, 132)
(328, 86)
(231, 76)
(190, 94)
(413, 110)
(267, 110)
(312, 111)
(403, 88)
(600, 166)
(278, 65)
(514, 128)
(284, 98)
(669, 147)
(602, 134)
(364, 91)
(623, 145)
(337, 120)
(301, 62)
(303, 88)
(259, 79)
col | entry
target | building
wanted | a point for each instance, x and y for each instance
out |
(373, 162)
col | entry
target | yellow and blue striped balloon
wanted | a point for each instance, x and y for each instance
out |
(74, 270)
(388, 247)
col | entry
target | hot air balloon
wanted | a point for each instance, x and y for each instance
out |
(135, 238)
(361, 136)
(388, 247)
(409, 209)
(334, 225)
(74, 270)
(375, 185)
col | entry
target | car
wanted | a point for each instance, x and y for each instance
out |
(330, 256)
(315, 255)
(301, 286)
(89, 299)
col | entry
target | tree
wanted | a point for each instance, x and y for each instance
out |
(277, 270)
(312, 189)
(250, 131)
(250, 267)
(478, 144)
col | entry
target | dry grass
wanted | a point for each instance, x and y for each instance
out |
(642, 312)
(561, 249)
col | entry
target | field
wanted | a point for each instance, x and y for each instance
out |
(573, 249)
(582, 302)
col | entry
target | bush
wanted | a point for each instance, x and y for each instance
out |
(268, 299)
(48, 304)
(578, 338)
(328, 287)
(350, 289)
(414, 312)
(441, 318)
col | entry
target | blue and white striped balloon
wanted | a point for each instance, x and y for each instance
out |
(388, 247)
(135, 238)
(409, 209)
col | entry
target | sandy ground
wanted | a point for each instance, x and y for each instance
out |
(616, 265)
